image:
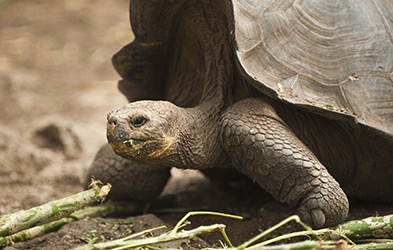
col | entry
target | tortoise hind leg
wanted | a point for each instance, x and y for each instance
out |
(130, 180)
(263, 147)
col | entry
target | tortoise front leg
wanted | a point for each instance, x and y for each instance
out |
(263, 147)
(130, 180)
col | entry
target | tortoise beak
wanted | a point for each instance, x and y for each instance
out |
(123, 140)
(116, 129)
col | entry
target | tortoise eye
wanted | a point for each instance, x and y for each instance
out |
(139, 121)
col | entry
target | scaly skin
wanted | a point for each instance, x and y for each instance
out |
(259, 143)
(146, 70)
(174, 133)
(263, 147)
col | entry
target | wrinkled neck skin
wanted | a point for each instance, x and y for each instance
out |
(198, 136)
(197, 144)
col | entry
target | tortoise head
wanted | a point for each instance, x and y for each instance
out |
(143, 130)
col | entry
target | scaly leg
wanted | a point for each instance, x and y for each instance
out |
(264, 148)
(130, 180)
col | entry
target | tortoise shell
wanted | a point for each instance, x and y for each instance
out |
(332, 56)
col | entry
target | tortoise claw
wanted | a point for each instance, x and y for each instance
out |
(316, 218)
(323, 211)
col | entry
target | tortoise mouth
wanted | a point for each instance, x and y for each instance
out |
(122, 135)
(131, 142)
(137, 148)
(132, 148)
(124, 138)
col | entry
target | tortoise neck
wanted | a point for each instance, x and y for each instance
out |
(201, 136)
(195, 140)
(198, 144)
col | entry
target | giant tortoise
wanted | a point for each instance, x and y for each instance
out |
(296, 95)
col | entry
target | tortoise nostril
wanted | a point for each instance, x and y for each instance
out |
(113, 120)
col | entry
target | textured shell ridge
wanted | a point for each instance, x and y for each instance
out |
(331, 55)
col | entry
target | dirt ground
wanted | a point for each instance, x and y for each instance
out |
(56, 87)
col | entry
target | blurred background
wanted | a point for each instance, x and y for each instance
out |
(56, 86)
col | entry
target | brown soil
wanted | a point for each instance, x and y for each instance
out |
(56, 87)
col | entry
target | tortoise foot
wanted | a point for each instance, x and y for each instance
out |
(324, 207)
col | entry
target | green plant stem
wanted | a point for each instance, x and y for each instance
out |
(319, 245)
(189, 214)
(287, 236)
(374, 227)
(168, 236)
(119, 241)
(103, 210)
(224, 234)
(171, 236)
(304, 245)
(371, 227)
(385, 246)
(320, 232)
(13, 223)
(266, 232)
(157, 248)
(31, 233)
(141, 233)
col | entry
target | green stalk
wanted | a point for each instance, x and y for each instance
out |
(287, 236)
(371, 227)
(304, 245)
(102, 210)
(189, 214)
(171, 236)
(266, 232)
(31, 233)
(13, 223)
(165, 237)
(324, 245)
(387, 245)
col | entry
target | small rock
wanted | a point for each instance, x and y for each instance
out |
(20, 158)
(58, 138)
